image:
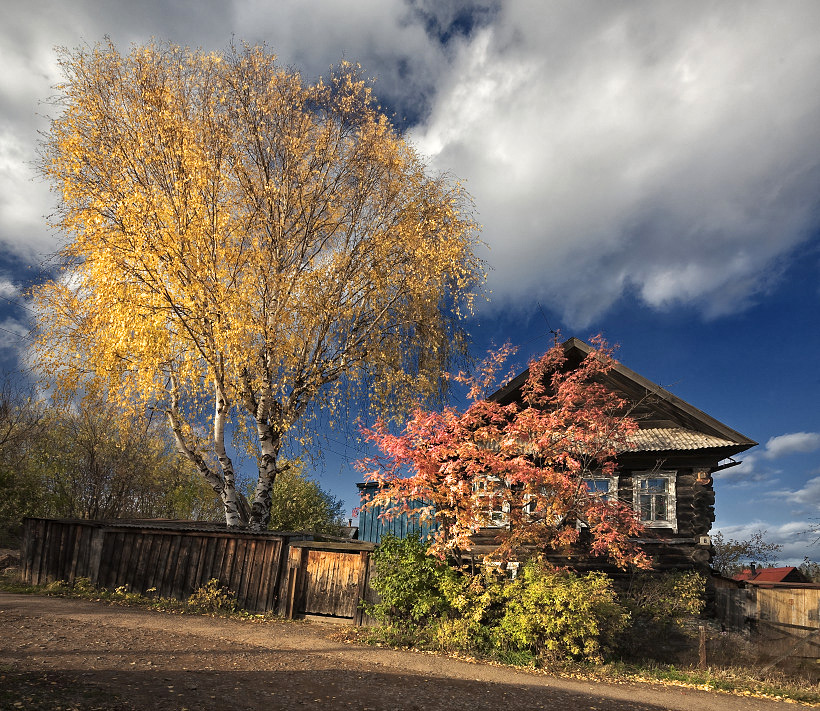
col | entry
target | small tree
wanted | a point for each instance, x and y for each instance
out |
(301, 504)
(732, 555)
(527, 459)
(245, 250)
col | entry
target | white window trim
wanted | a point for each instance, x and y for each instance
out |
(502, 515)
(611, 495)
(612, 485)
(671, 499)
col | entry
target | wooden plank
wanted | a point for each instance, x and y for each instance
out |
(334, 546)
(191, 580)
(229, 562)
(143, 571)
(131, 542)
(180, 568)
(53, 551)
(255, 581)
(267, 564)
(35, 547)
(161, 546)
(61, 551)
(243, 588)
(361, 587)
(216, 569)
(78, 537)
(95, 556)
(170, 563)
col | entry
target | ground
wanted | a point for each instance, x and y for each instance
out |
(74, 654)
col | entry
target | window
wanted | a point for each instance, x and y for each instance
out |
(492, 502)
(654, 499)
(604, 488)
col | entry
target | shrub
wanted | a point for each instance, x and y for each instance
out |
(660, 605)
(559, 614)
(213, 598)
(409, 583)
(474, 604)
(666, 598)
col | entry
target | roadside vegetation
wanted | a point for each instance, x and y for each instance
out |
(643, 627)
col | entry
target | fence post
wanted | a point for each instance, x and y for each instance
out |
(364, 562)
(702, 647)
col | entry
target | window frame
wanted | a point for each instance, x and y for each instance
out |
(497, 517)
(611, 495)
(670, 476)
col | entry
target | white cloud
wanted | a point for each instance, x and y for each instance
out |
(796, 442)
(794, 537)
(747, 471)
(809, 494)
(668, 149)
(13, 335)
(8, 289)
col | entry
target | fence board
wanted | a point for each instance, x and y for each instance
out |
(174, 560)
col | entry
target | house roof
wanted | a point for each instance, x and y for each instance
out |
(772, 575)
(665, 421)
(657, 439)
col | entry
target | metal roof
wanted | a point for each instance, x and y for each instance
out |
(657, 439)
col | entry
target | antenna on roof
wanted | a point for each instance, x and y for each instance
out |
(546, 320)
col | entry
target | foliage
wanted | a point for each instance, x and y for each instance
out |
(525, 458)
(301, 504)
(661, 606)
(21, 428)
(731, 556)
(544, 613)
(409, 583)
(245, 250)
(557, 613)
(213, 599)
(666, 598)
(90, 460)
(811, 569)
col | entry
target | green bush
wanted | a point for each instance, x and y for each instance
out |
(666, 598)
(409, 583)
(661, 604)
(559, 614)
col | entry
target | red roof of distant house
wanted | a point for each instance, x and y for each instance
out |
(789, 574)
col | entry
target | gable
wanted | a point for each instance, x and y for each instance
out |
(665, 421)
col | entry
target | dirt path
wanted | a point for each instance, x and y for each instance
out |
(73, 654)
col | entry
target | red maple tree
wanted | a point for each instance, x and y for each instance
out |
(522, 464)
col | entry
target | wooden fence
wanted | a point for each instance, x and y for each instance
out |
(172, 559)
(784, 619)
(328, 579)
(281, 572)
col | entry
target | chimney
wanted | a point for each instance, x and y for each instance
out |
(753, 569)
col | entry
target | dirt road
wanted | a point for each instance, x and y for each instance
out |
(73, 654)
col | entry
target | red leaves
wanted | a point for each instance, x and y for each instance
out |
(523, 462)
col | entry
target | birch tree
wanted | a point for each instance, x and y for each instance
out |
(245, 249)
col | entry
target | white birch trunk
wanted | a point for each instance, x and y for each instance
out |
(224, 485)
(269, 448)
(233, 513)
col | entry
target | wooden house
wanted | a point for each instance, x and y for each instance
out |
(666, 475)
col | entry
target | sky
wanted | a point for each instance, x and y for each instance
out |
(648, 171)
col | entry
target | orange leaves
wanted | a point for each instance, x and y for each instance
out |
(516, 467)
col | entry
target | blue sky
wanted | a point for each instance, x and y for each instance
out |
(649, 171)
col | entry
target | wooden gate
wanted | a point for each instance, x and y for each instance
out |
(328, 579)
